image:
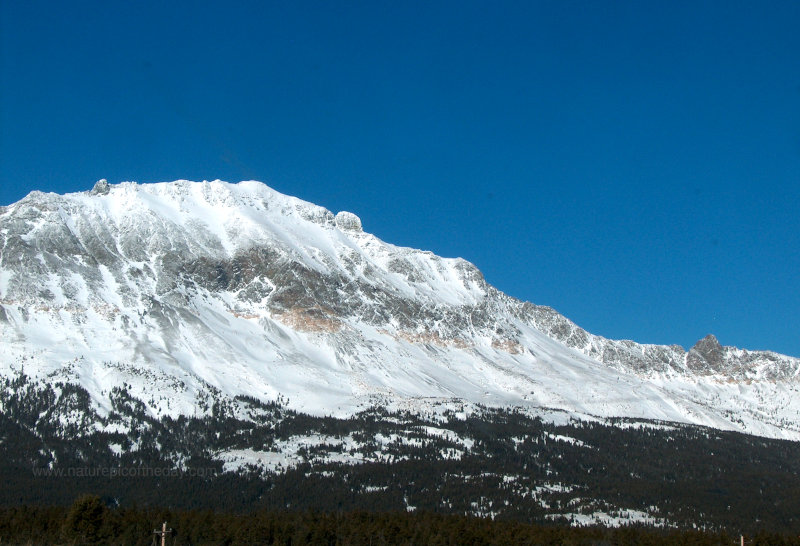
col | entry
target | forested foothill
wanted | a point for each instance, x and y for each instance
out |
(489, 472)
(89, 521)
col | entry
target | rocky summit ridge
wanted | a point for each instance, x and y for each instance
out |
(186, 291)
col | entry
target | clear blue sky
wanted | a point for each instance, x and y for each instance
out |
(635, 165)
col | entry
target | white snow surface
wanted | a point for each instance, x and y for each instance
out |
(108, 308)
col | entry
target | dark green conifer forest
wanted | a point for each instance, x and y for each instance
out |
(379, 477)
(89, 521)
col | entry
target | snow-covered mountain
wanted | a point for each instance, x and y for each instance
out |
(187, 291)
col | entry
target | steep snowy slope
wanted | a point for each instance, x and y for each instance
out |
(188, 290)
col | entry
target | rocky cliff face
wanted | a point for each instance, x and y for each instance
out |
(240, 290)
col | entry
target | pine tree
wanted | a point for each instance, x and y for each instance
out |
(85, 520)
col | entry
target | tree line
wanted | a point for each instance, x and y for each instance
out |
(89, 521)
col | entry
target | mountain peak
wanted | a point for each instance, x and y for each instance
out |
(707, 356)
(347, 221)
(708, 343)
(101, 187)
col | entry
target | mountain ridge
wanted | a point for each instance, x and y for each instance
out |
(239, 288)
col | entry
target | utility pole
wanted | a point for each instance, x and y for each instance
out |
(163, 533)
